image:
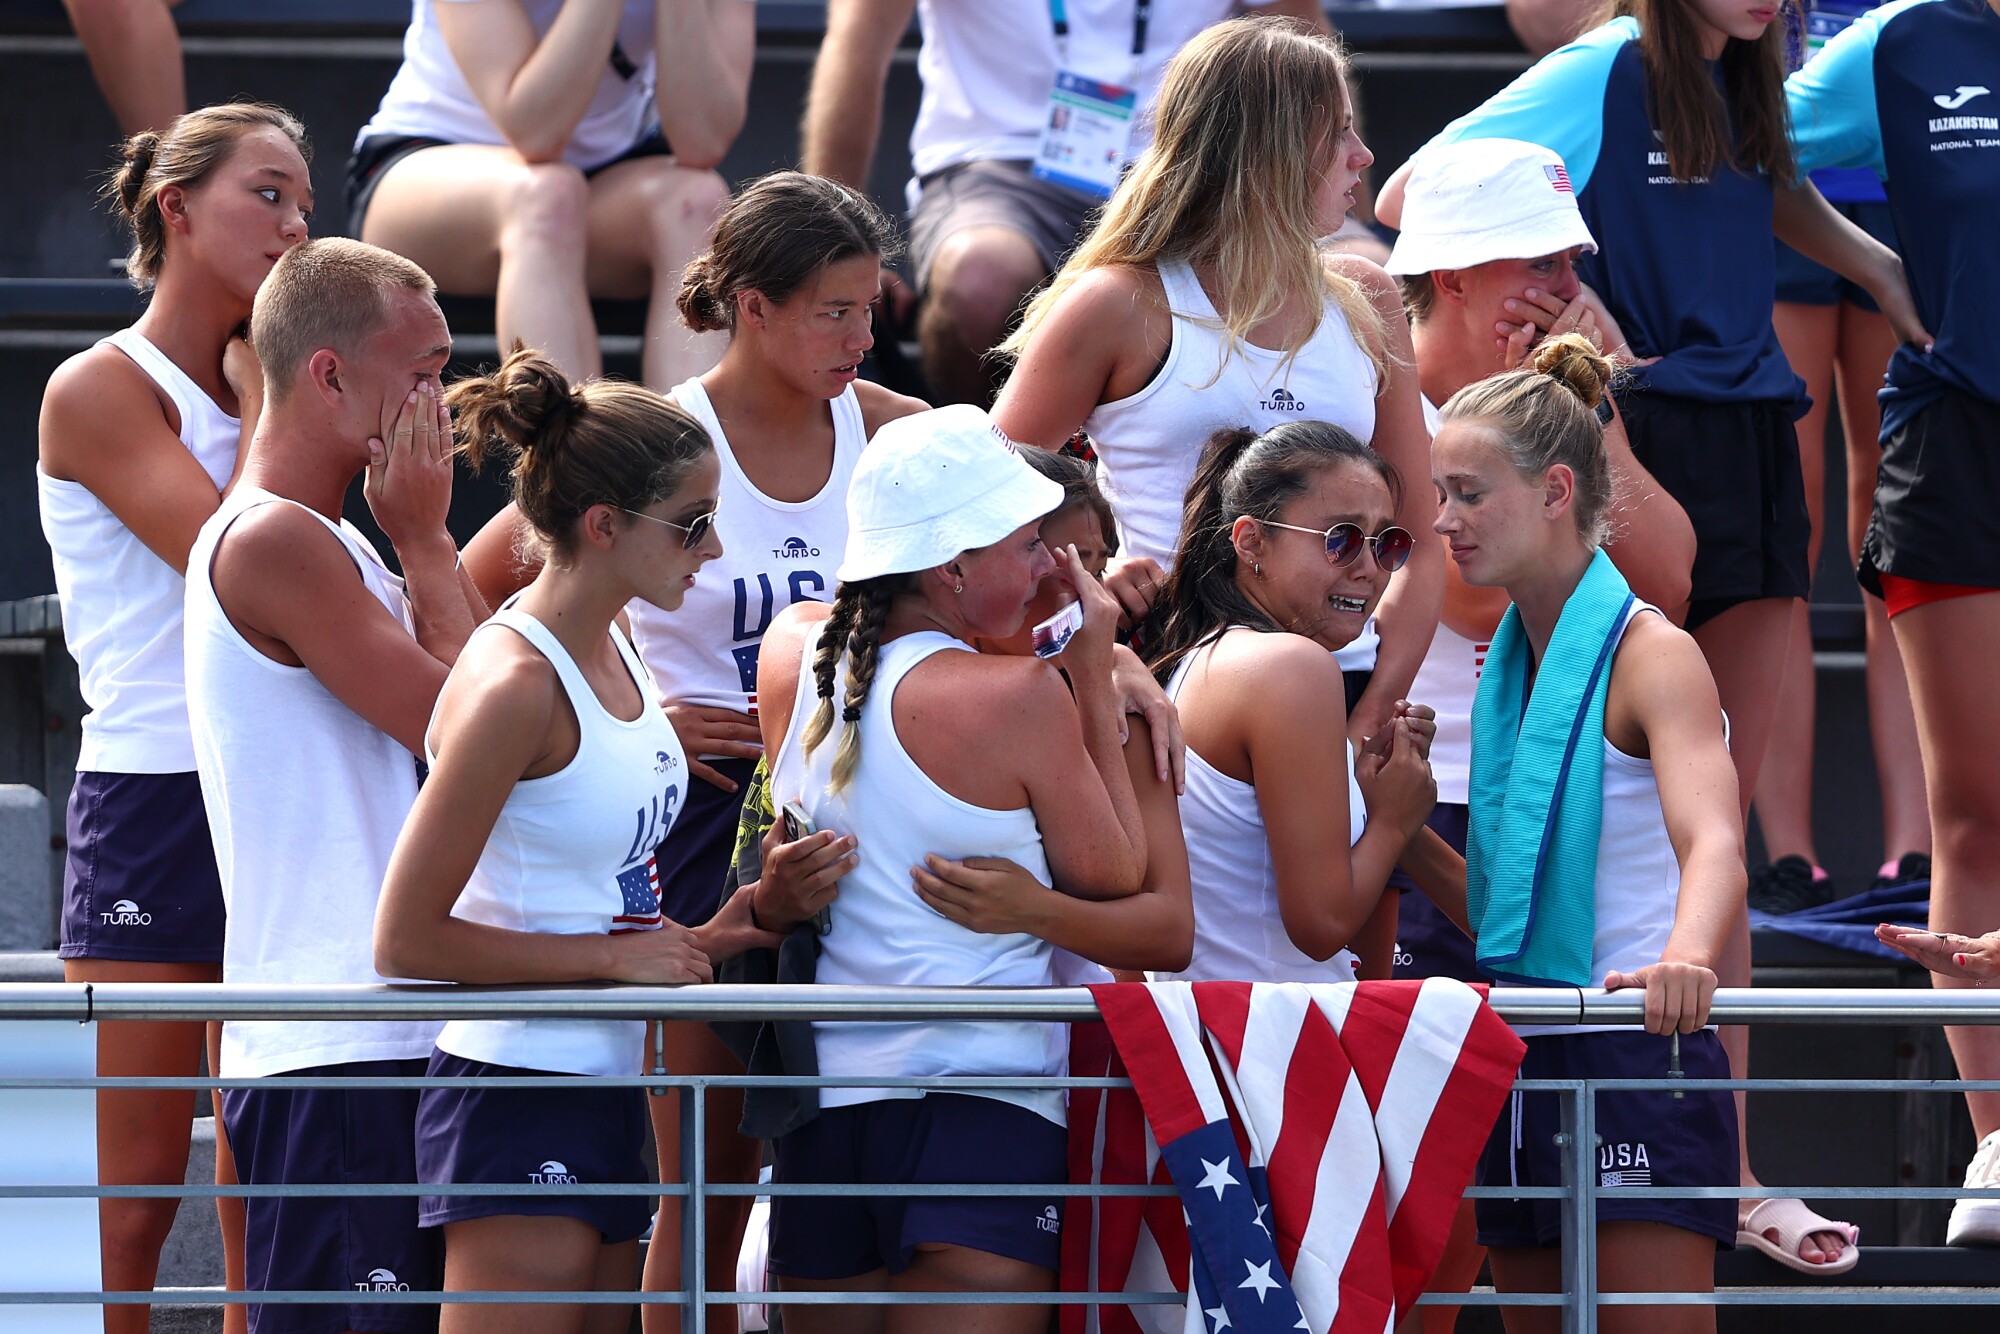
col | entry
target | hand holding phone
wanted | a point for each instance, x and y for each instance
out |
(798, 825)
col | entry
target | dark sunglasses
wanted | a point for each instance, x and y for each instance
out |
(1345, 540)
(692, 531)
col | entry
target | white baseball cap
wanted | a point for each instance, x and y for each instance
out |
(934, 484)
(1479, 200)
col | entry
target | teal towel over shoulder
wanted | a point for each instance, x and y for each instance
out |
(1538, 787)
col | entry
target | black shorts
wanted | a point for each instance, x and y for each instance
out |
(940, 1139)
(1937, 497)
(540, 1139)
(356, 1243)
(1734, 467)
(696, 853)
(1644, 1138)
(1429, 944)
(139, 878)
(374, 156)
(996, 193)
(1801, 282)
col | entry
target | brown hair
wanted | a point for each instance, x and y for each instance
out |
(852, 631)
(1545, 415)
(1419, 296)
(780, 231)
(1078, 479)
(186, 154)
(570, 446)
(325, 293)
(1247, 112)
(1241, 473)
(1692, 116)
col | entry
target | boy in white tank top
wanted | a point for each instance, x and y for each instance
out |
(311, 670)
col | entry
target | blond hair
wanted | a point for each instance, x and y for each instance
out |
(1545, 414)
(1247, 115)
(185, 154)
(571, 446)
(328, 293)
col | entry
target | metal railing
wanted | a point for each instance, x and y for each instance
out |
(1579, 1297)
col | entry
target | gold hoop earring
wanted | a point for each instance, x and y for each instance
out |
(958, 588)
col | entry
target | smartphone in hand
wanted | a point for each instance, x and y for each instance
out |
(797, 826)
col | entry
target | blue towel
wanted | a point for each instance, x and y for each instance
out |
(1538, 787)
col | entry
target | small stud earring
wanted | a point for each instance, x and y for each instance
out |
(958, 588)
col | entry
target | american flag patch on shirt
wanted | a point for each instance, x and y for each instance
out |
(1559, 178)
(639, 895)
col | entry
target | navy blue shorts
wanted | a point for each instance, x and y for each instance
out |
(1427, 943)
(345, 1243)
(139, 880)
(696, 853)
(1804, 283)
(940, 1138)
(1643, 1138)
(539, 1138)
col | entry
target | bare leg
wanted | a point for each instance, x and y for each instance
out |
(1866, 344)
(513, 1253)
(135, 56)
(836, 1319)
(482, 220)
(648, 218)
(229, 1212)
(1456, 1273)
(941, 1268)
(692, 1049)
(1631, 1257)
(1784, 786)
(1948, 648)
(978, 281)
(142, 1134)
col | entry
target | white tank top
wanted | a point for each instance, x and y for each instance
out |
(1447, 680)
(1638, 875)
(1239, 933)
(305, 800)
(1148, 444)
(774, 553)
(122, 605)
(882, 933)
(430, 98)
(572, 855)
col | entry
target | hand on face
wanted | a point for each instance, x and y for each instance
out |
(408, 482)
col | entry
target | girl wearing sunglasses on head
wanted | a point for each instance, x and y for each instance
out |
(1286, 547)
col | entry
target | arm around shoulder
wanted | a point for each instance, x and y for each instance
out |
(1097, 332)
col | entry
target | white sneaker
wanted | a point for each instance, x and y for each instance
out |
(1977, 1222)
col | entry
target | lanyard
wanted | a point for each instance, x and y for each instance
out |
(1142, 16)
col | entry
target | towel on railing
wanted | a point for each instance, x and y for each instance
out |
(1319, 1135)
(1538, 787)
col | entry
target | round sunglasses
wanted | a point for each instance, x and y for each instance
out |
(1344, 541)
(691, 532)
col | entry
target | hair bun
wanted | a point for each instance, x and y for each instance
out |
(539, 398)
(1575, 361)
(136, 155)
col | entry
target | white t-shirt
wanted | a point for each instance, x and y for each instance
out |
(305, 801)
(987, 67)
(121, 604)
(429, 96)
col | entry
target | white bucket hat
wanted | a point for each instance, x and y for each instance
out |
(1478, 200)
(934, 484)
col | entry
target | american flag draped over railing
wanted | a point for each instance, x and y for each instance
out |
(1319, 1136)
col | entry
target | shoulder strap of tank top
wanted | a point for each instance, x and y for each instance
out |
(161, 370)
(1183, 290)
(694, 400)
(898, 657)
(850, 428)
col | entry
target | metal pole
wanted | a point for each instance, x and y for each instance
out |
(694, 1212)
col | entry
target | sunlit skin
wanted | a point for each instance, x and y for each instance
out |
(1719, 21)
(1001, 582)
(250, 210)
(815, 338)
(1298, 587)
(1485, 509)
(1342, 177)
(660, 567)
